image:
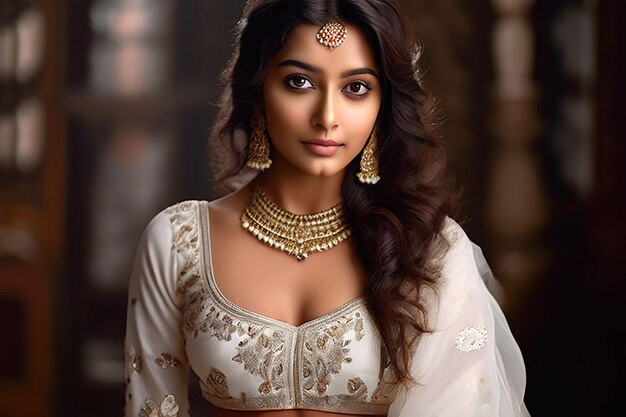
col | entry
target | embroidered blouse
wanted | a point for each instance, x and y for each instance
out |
(179, 320)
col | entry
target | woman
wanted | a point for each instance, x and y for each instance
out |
(333, 282)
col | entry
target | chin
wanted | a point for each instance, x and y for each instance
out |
(318, 167)
(326, 172)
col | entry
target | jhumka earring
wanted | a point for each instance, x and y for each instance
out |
(369, 163)
(332, 34)
(259, 149)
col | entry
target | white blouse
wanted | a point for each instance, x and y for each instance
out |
(177, 319)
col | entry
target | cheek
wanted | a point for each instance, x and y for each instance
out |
(282, 111)
(360, 121)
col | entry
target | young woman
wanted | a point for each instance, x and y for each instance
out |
(333, 281)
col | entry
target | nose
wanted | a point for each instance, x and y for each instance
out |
(325, 116)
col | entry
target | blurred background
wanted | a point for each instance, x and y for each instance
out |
(105, 109)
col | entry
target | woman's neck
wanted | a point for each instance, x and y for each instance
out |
(300, 193)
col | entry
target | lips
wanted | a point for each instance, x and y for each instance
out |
(322, 147)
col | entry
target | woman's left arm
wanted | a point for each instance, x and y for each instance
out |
(470, 365)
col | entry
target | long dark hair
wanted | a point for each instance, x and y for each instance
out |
(394, 222)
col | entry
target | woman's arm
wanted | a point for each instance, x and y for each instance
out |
(156, 364)
(470, 365)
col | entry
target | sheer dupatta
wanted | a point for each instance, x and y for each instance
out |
(470, 365)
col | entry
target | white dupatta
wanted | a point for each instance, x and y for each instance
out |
(470, 365)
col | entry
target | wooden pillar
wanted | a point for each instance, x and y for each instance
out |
(517, 208)
(31, 206)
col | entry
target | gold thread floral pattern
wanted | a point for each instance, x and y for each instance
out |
(357, 388)
(167, 360)
(215, 385)
(326, 350)
(196, 296)
(262, 353)
(168, 408)
(471, 338)
(185, 242)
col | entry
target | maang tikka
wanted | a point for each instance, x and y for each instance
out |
(369, 162)
(332, 34)
(259, 147)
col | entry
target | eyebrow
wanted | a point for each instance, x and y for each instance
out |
(317, 70)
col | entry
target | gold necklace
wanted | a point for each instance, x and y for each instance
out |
(295, 234)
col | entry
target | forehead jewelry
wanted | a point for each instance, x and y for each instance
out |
(332, 34)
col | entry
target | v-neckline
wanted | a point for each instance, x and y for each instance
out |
(207, 268)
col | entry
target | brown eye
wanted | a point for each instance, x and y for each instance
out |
(299, 82)
(357, 88)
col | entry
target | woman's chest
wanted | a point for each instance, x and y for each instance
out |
(276, 285)
(246, 360)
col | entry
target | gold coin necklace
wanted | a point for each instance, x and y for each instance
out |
(295, 234)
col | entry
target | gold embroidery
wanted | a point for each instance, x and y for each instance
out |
(196, 297)
(357, 394)
(331, 352)
(184, 285)
(190, 285)
(262, 354)
(185, 234)
(168, 408)
(167, 360)
(215, 386)
(276, 401)
(222, 325)
(197, 319)
(357, 388)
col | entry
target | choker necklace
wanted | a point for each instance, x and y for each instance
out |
(295, 234)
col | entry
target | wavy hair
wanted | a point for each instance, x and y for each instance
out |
(395, 222)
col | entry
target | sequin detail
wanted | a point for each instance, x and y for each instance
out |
(471, 338)
(134, 362)
(168, 408)
(167, 360)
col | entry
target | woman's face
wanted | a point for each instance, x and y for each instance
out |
(320, 105)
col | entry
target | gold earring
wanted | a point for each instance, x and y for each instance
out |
(259, 148)
(369, 163)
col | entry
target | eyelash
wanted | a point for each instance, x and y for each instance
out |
(290, 79)
(289, 82)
